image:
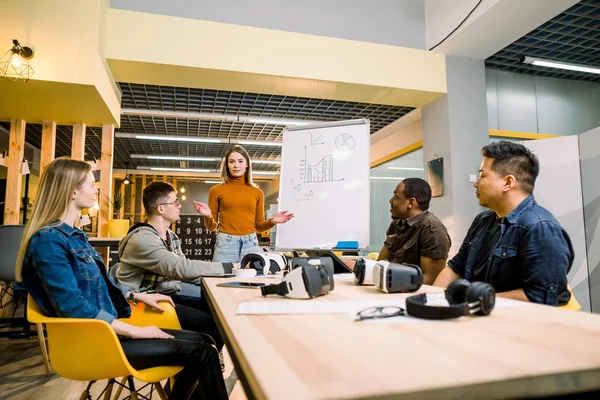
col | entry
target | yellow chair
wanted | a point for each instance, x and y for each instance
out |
(373, 256)
(89, 350)
(573, 304)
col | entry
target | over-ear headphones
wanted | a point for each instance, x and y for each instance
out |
(464, 297)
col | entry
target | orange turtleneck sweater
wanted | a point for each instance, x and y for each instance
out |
(239, 208)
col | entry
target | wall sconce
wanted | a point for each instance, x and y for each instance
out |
(182, 190)
(14, 64)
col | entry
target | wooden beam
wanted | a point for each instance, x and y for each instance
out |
(122, 211)
(132, 198)
(106, 163)
(78, 146)
(48, 144)
(16, 151)
(142, 209)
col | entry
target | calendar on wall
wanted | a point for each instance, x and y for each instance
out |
(197, 242)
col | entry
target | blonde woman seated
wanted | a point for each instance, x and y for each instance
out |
(67, 278)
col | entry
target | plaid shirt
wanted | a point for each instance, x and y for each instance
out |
(152, 280)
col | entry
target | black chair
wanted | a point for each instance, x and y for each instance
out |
(10, 239)
(10, 296)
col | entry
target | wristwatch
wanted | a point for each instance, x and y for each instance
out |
(131, 297)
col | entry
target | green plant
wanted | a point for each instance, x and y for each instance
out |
(117, 201)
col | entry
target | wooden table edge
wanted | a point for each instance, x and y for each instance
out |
(247, 378)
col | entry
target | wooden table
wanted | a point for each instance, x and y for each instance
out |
(530, 350)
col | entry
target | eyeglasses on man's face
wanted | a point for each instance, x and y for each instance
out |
(379, 312)
(176, 202)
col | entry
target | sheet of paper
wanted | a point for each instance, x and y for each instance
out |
(350, 308)
(314, 306)
(438, 299)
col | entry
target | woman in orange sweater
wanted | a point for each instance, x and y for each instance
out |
(236, 208)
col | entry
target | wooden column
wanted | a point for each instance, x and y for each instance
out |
(78, 146)
(48, 144)
(142, 209)
(132, 198)
(122, 210)
(106, 163)
(16, 150)
(175, 182)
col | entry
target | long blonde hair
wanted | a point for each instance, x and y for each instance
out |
(225, 176)
(55, 192)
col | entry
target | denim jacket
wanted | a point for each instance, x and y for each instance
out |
(534, 253)
(67, 277)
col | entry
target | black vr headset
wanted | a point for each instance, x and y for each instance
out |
(303, 282)
(393, 278)
(363, 271)
(464, 297)
(264, 263)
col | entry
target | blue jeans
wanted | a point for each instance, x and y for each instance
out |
(229, 248)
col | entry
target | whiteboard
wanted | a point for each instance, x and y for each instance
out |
(324, 181)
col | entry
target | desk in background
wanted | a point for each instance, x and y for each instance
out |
(108, 247)
(529, 350)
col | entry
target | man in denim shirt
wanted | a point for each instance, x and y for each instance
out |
(517, 246)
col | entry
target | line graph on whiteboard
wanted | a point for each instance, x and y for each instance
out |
(315, 168)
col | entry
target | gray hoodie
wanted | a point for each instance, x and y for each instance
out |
(143, 254)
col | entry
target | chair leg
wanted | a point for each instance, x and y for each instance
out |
(133, 393)
(43, 347)
(108, 390)
(120, 388)
(85, 395)
(161, 391)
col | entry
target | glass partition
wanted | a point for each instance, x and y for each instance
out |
(384, 179)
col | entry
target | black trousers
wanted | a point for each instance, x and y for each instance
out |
(201, 377)
(194, 315)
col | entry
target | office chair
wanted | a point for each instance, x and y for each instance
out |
(89, 350)
(573, 304)
(10, 240)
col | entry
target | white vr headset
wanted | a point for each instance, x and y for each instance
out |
(388, 277)
(264, 263)
(363, 271)
(304, 282)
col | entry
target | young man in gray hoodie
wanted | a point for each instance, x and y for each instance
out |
(151, 256)
(151, 259)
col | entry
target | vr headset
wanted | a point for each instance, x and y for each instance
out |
(265, 263)
(394, 278)
(363, 271)
(326, 262)
(304, 282)
(464, 297)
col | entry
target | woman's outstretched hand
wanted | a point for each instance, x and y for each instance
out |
(202, 209)
(282, 217)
